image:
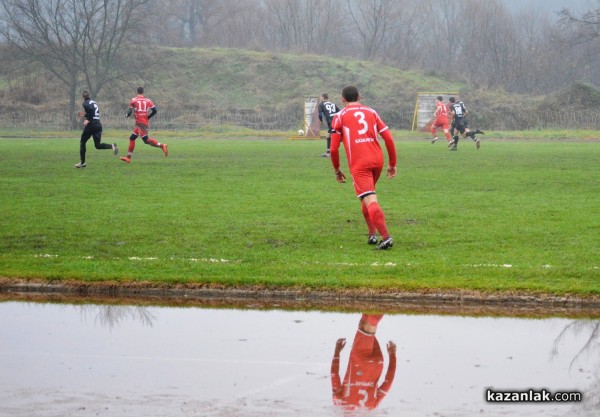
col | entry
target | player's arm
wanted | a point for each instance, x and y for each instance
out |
(129, 111)
(391, 372)
(153, 111)
(388, 139)
(336, 382)
(334, 152)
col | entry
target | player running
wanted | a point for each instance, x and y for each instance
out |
(327, 109)
(91, 128)
(358, 126)
(461, 123)
(143, 109)
(441, 120)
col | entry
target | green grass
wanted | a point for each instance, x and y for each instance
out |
(514, 216)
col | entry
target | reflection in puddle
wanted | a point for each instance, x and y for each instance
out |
(99, 360)
(112, 315)
(360, 388)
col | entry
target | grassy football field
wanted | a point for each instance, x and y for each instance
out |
(512, 216)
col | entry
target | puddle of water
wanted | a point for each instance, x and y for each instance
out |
(107, 360)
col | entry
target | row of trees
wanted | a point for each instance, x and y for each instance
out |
(481, 42)
(93, 42)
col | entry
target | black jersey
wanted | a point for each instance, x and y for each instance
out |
(327, 109)
(458, 109)
(92, 111)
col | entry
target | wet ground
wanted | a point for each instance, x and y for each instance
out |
(96, 359)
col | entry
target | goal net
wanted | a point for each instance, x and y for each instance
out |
(424, 108)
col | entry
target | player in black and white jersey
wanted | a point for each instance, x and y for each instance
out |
(460, 123)
(91, 128)
(327, 109)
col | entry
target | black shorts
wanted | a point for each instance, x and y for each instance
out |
(94, 129)
(460, 124)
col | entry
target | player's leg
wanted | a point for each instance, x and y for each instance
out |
(460, 128)
(364, 185)
(368, 322)
(327, 153)
(446, 129)
(454, 144)
(85, 135)
(376, 213)
(130, 148)
(434, 132)
(378, 218)
(472, 135)
(453, 134)
(97, 135)
(156, 144)
(150, 141)
(372, 240)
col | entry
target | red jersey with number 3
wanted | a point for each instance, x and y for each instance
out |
(141, 105)
(359, 127)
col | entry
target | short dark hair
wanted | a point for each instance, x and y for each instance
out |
(350, 93)
(86, 94)
(451, 99)
(325, 96)
(140, 90)
(440, 98)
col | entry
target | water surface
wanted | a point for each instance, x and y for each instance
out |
(108, 360)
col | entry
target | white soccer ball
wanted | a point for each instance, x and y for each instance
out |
(301, 132)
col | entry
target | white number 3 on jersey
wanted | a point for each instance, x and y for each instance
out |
(361, 120)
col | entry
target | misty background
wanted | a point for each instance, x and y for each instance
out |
(506, 49)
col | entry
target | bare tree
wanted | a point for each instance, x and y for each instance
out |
(186, 19)
(77, 41)
(235, 24)
(444, 36)
(300, 25)
(404, 44)
(580, 35)
(371, 18)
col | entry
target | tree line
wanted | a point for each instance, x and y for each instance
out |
(94, 42)
(480, 42)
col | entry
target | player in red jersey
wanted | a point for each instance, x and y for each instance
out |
(365, 366)
(358, 126)
(143, 109)
(441, 120)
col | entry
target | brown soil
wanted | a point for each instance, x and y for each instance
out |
(424, 302)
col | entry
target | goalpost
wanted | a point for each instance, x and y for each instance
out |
(424, 108)
(311, 126)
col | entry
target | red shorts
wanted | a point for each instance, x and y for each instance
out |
(140, 130)
(364, 181)
(441, 123)
(366, 346)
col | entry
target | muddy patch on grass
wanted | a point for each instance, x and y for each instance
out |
(427, 301)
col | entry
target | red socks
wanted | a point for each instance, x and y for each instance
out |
(367, 217)
(378, 219)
